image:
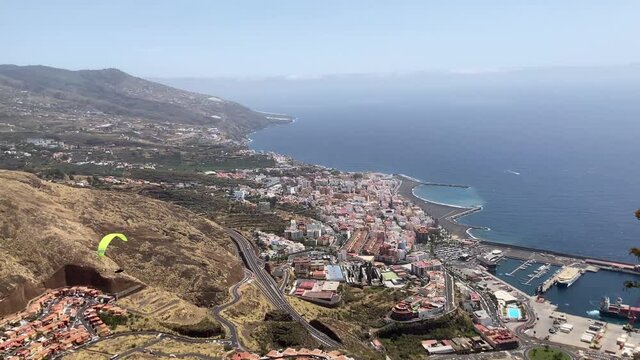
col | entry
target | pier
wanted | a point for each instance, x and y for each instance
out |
(466, 212)
(547, 284)
(541, 271)
(567, 275)
(445, 185)
(432, 183)
(522, 266)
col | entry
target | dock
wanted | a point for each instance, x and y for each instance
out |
(522, 266)
(563, 273)
(445, 185)
(547, 284)
(541, 271)
(432, 183)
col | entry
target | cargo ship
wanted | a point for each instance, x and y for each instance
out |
(619, 310)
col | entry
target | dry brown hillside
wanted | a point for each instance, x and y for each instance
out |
(49, 234)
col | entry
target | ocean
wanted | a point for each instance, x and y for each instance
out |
(555, 164)
(552, 172)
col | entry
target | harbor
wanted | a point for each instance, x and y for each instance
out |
(581, 298)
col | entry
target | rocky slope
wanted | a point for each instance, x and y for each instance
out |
(49, 234)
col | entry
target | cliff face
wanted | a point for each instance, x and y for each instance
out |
(49, 234)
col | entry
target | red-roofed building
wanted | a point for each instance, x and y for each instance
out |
(498, 338)
(244, 356)
(307, 285)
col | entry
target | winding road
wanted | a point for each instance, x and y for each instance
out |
(271, 289)
(235, 297)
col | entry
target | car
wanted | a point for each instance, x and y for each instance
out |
(552, 330)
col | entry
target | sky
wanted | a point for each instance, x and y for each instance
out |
(298, 38)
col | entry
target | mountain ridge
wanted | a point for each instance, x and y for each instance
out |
(112, 91)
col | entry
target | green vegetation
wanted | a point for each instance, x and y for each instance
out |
(286, 334)
(112, 321)
(405, 347)
(402, 341)
(282, 334)
(635, 252)
(367, 307)
(218, 206)
(277, 315)
(547, 353)
(204, 329)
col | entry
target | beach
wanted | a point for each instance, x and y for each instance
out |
(445, 214)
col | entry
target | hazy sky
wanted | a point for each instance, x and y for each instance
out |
(255, 38)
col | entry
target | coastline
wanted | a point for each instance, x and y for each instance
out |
(445, 214)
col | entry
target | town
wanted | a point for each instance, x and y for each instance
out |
(57, 321)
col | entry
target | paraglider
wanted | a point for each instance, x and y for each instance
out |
(104, 243)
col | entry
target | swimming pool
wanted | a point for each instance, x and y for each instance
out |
(514, 313)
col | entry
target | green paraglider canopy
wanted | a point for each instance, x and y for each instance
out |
(104, 243)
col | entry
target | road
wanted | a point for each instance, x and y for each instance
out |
(235, 297)
(285, 278)
(451, 300)
(80, 318)
(271, 289)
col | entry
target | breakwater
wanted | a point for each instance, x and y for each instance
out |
(465, 213)
(431, 183)
(603, 263)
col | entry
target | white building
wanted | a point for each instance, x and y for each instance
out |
(482, 317)
(239, 195)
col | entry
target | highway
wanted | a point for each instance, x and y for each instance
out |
(271, 289)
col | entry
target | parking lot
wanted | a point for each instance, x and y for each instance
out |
(547, 315)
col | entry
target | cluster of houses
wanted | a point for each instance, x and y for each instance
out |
(319, 292)
(313, 233)
(488, 338)
(276, 245)
(319, 278)
(316, 265)
(92, 316)
(427, 301)
(53, 323)
(360, 213)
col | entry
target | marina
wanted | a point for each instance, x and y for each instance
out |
(585, 294)
(523, 266)
(541, 271)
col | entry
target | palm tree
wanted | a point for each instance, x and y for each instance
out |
(635, 252)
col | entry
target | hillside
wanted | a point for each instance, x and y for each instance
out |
(49, 235)
(35, 94)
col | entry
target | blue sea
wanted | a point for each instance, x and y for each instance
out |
(552, 171)
(583, 297)
(554, 159)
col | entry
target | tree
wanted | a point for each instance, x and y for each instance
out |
(635, 252)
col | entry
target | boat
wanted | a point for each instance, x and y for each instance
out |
(568, 276)
(618, 310)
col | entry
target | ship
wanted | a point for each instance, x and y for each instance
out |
(568, 276)
(618, 310)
